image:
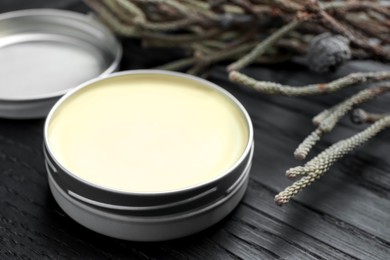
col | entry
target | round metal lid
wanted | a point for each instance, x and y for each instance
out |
(44, 53)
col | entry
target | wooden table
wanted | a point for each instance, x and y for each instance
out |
(345, 215)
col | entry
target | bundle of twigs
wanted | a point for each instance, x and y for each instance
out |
(325, 33)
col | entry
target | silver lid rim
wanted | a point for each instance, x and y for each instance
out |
(72, 16)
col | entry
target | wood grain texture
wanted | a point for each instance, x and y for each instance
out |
(345, 215)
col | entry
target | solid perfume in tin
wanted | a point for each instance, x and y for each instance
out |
(148, 155)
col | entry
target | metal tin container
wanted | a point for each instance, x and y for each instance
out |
(148, 216)
(44, 53)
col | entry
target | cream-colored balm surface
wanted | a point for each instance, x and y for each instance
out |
(147, 133)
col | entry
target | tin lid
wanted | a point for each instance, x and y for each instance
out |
(44, 53)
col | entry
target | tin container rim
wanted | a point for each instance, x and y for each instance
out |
(71, 15)
(206, 83)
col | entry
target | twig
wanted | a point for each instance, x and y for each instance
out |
(182, 9)
(288, 5)
(110, 19)
(263, 46)
(229, 52)
(167, 26)
(201, 8)
(331, 119)
(323, 115)
(357, 6)
(364, 27)
(330, 23)
(114, 6)
(244, 5)
(304, 148)
(180, 23)
(272, 88)
(360, 116)
(316, 167)
(125, 11)
(129, 30)
(178, 64)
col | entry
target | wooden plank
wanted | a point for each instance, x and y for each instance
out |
(228, 238)
(314, 231)
(262, 238)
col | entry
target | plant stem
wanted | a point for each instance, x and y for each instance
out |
(272, 88)
(337, 112)
(360, 116)
(178, 64)
(263, 46)
(316, 167)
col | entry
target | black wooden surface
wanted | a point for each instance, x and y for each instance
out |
(345, 215)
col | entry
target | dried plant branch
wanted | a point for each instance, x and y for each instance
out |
(329, 121)
(180, 23)
(272, 88)
(322, 115)
(133, 31)
(288, 5)
(337, 28)
(360, 116)
(131, 9)
(178, 64)
(351, 6)
(229, 52)
(304, 148)
(263, 46)
(365, 27)
(110, 19)
(175, 5)
(316, 167)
